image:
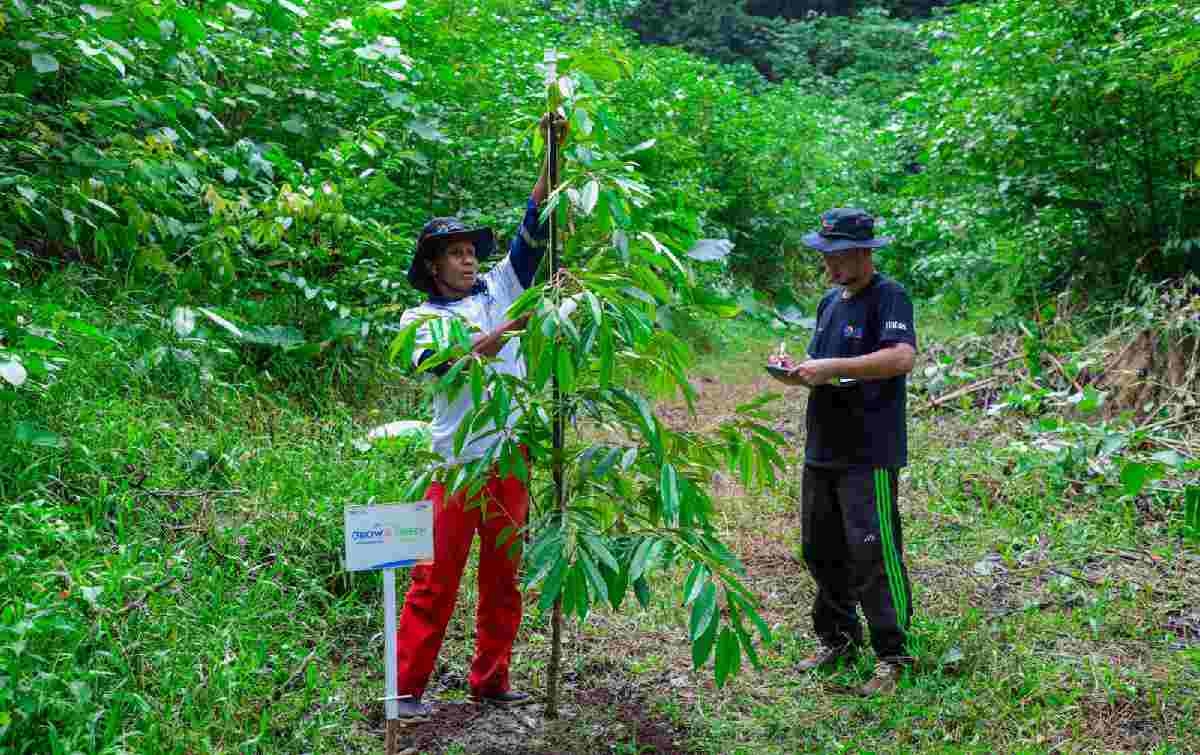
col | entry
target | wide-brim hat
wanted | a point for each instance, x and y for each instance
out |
(436, 234)
(843, 229)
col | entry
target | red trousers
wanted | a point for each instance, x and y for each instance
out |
(430, 601)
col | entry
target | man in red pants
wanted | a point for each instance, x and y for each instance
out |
(446, 267)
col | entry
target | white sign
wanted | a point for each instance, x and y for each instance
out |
(388, 536)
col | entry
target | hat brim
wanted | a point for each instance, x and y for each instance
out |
(838, 246)
(483, 239)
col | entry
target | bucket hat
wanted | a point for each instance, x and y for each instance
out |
(436, 234)
(843, 229)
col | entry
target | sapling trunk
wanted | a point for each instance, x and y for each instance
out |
(560, 498)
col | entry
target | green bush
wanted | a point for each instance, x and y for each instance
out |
(1060, 143)
(869, 53)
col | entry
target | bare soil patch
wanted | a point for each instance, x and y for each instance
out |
(1124, 725)
(592, 720)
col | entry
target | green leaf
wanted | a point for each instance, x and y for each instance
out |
(476, 382)
(695, 582)
(601, 551)
(565, 369)
(703, 645)
(416, 489)
(96, 12)
(1089, 401)
(1191, 514)
(709, 250)
(744, 638)
(618, 583)
(646, 419)
(653, 284)
(669, 491)
(599, 66)
(763, 630)
(729, 656)
(428, 131)
(1170, 458)
(594, 306)
(299, 11)
(772, 436)
(1135, 476)
(277, 336)
(745, 462)
(28, 433)
(694, 504)
(642, 590)
(525, 302)
(602, 469)
(594, 578)
(757, 403)
(704, 611)
(545, 366)
(403, 345)
(768, 460)
(606, 354)
(577, 590)
(520, 468)
(643, 556)
(87, 49)
(500, 403)
(221, 321)
(504, 539)
(546, 551)
(641, 147)
(588, 197)
(189, 25)
(566, 85)
(581, 121)
(553, 584)
(44, 62)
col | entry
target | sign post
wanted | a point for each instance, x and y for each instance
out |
(389, 537)
(391, 701)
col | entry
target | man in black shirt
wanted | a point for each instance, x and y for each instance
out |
(861, 352)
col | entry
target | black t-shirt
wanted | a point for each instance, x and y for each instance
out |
(862, 424)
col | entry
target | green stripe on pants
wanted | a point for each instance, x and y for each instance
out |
(891, 556)
(901, 583)
(883, 507)
(904, 594)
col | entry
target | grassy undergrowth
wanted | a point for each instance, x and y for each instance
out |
(171, 543)
(1042, 624)
(171, 562)
(1050, 617)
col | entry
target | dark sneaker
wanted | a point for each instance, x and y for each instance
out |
(884, 680)
(413, 710)
(827, 657)
(507, 699)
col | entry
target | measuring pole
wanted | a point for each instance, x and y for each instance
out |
(557, 419)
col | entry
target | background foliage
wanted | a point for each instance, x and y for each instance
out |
(1060, 141)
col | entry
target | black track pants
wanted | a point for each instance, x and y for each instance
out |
(850, 530)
